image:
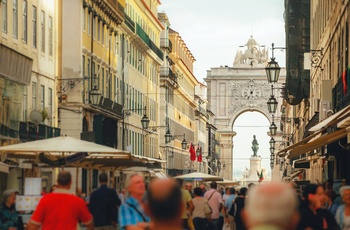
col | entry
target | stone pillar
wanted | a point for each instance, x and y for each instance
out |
(255, 166)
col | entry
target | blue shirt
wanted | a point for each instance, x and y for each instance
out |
(129, 216)
(228, 201)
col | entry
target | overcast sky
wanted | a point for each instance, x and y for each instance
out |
(213, 32)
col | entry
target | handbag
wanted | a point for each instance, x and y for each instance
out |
(207, 209)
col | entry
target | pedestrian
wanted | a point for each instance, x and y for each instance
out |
(8, 213)
(122, 196)
(215, 201)
(132, 213)
(330, 201)
(187, 205)
(188, 187)
(164, 204)
(198, 209)
(237, 207)
(271, 206)
(203, 187)
(61, 209)
(312, 215)
(229, 220)
(343, 212)
(104, 204)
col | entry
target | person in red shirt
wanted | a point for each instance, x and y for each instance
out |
(61, 209)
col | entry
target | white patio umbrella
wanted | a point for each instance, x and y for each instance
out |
(198, 176)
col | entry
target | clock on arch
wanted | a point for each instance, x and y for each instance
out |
(251, 92)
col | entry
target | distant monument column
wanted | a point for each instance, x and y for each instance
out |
(255, 162)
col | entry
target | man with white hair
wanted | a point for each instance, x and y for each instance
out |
(271, 206)
(342, 214)
(131, 213)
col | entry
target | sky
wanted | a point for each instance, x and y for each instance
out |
(214, 31)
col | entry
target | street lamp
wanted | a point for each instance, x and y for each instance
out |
(272, 150)
(272, 104)
(144, 121)
(273, 69)
(272, 160)
(94, 95)
(272, 143)
(169, 137)
(273, 129)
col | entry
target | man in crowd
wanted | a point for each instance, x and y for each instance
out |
(271, 206)
(60, 209)
(228, 203)
(188, 187)
(164, 204)
(215, 201)
(131, 213)
(104, 204)
(186, 204)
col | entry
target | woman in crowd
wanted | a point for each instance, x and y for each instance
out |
(343, 212)
(312, 215)
(8, 213)
(198, 210)
(330, 198)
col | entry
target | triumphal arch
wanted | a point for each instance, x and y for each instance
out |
(242, 87)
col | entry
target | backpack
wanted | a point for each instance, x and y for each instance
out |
(237, 206)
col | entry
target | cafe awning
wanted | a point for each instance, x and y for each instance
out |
(318, 143)
(320, 138)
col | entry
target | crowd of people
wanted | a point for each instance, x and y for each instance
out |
(171, 205)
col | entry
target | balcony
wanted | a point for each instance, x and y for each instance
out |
(201, 112)
(166, 43)
(129, 23)
(167, 74)
(29, 131)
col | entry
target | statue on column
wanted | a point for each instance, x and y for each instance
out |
(255, 146)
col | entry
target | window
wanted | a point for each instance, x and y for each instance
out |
(89, 24)
(25, 104)
(42, 20)
(34, 26)
(25, 22)
(34, 95)
(103, 34)
(50, 36)
(15, 19)
(42, 97)
(4, 16)
(98, 30)
(84, 19)
(50, 101)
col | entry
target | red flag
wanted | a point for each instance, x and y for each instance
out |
(199, 158)
(192, 152)
(343, 77)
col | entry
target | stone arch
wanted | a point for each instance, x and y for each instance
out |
(239, 112)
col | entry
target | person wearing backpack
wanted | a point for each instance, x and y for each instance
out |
(237, 207)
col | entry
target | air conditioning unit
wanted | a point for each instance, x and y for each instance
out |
(324, 109)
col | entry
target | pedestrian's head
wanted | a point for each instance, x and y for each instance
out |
(213, 185)
(188, 186)
(330, 194)
(9, 197)
(232, 191)
(135, 184)
(179, 181)
(103, 178)
(202, 186)
(271, 204)
(345, 194)
(243, 191)
(164, 201)
(197, 191)
(313, 195)
(64, 179)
